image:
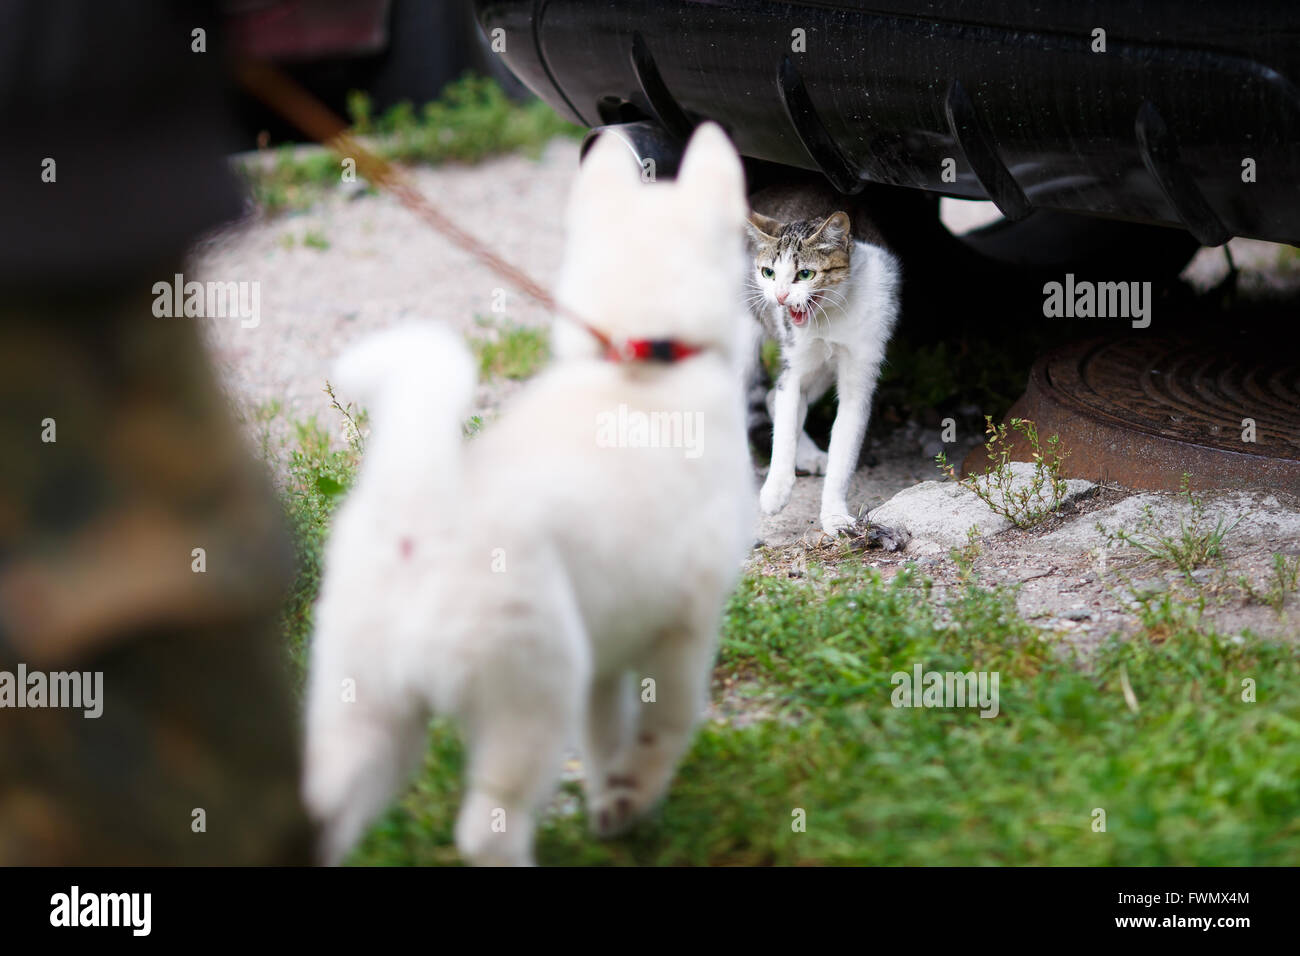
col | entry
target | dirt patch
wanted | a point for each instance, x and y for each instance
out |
(1072, 582)
(898, 461)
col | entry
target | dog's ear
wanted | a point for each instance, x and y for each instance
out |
(711, 174)
(607, 170)
(600, 192)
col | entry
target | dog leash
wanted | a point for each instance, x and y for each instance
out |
(291, 101)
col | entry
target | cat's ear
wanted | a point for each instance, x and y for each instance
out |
(762, 228)
(711, 173)
(833, 232)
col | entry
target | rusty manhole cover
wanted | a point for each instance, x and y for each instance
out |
(1141, 411)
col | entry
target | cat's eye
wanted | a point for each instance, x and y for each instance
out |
(767, 272)
(803, 275)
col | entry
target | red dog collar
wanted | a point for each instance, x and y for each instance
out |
(650, 350)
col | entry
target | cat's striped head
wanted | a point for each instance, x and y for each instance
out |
(798, 264)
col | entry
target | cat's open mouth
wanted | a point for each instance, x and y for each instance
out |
(800, 316)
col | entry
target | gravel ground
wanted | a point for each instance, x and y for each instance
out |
(380, 265)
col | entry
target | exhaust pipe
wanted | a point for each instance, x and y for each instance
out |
(656, 151)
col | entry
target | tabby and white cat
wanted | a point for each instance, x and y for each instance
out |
(828, 292)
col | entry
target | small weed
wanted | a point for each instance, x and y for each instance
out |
(966, 556)
(1027, 505)
(314, 239)
(1165, 614)
(1195, 545)
(354, 421)
(1283, 581)
(260, 416)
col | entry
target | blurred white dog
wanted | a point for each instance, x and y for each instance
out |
(559, 579)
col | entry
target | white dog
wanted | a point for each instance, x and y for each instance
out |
(560, 578)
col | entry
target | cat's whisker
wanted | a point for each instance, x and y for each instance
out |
(825, 320)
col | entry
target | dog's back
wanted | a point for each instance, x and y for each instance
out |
(638, 479)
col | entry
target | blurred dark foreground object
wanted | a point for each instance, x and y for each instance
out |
(97, 536)
(120, 460)
(304, 29)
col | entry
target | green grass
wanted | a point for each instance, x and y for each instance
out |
(508, 350)
(293, 180)
(472, 120)
(318, 476)
(1151, 729)
(1196, 776)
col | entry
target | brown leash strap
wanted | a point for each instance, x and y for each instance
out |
(287, 98)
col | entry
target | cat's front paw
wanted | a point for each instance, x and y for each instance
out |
(775, 493)
(836, 522)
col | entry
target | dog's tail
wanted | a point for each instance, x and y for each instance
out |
(416, 383)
